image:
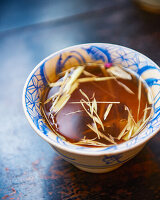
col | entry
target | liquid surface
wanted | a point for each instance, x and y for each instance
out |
(72, 120)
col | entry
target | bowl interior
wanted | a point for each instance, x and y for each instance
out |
(47, 70)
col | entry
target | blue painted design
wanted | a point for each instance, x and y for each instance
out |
(69, 158)
(156, 114)
(72, 56)
(157, 95)
(60, 63)
(112, 159)
(41, 125)
(125, 58)
(42, 74)
(152, 81)
(32, 98)
(155, 117)
(60, 141)
(158, 99)
(145, 68)
(82, 58)
(100, 166)
(157, 110)
(114, 147)
(98, 53)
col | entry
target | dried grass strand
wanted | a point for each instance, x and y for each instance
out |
(145, 113)
(90, 142)
(128, 135)
(130, 114)
(107, 102)
(70, 113)
(119, 72)
(122, 133)
(125, 87)
(139, 97)
(51, 98)
(84, 94)
(100, 134)
(86, 73)
(140, 127)
(103, 69)
(107, 111)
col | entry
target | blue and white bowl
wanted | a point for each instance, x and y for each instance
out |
(96, 160)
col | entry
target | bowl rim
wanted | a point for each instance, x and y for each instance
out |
(67, 148)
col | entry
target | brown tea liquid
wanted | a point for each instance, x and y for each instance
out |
(72, 120)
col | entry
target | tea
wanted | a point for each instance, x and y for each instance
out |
(96, 105)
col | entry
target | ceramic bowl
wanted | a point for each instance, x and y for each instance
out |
(97, 160)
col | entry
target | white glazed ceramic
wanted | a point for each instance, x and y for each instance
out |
(95, 160)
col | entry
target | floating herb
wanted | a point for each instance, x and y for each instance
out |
(119, 72)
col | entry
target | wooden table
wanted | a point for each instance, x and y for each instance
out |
(30, 31)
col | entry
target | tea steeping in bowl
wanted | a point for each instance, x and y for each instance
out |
(96, 105)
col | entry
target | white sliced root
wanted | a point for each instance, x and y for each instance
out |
(94, 105)
(61, 103)
(125, 87)
(69, 85)
(88, 73)
(122, 133)
(107, 111)
(128, 135)
(77, 72)
(56, 84)
(119, 72)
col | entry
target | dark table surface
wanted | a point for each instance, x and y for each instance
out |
(30, 31)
